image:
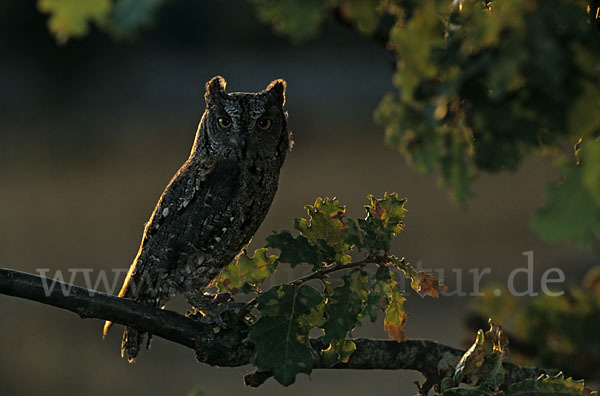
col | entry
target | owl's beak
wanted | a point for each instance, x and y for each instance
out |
(240, 144)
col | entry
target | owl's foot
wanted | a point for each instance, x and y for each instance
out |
(211, 306)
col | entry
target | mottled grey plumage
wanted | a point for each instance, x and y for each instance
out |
(215, 202)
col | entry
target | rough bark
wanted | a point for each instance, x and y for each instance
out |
(432, 359)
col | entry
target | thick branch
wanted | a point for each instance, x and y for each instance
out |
(433, 360)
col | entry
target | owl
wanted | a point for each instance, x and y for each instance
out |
(215, 202)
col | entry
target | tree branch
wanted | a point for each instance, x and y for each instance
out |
(433, 360)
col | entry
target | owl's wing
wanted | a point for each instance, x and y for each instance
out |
(180, 191)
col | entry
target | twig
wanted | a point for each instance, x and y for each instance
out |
(338, 267)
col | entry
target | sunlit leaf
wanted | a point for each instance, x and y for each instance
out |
(326, 223)
(382, 224)
(498, 338)
(72, 18)
(546, 385)
(247, 270)
(472, 359)
(408, 270)
(395, 316)
(481, 365)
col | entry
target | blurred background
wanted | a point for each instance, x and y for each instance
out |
(92, 131)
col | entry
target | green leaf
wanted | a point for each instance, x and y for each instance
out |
(495, 374)
(246, 270)
(481, 365)
(590, 168)
(383, 282)
(299, 250)
(480, 391)
(72, 18)
(481, 87)
(408, 270)
(417, 61)
(343, 311)
(572, 211)
(584, 112)
(326, 223)
(547, 386)
(472, 359)
(299, 19)
(364, 12)
(382, 224)
(338, 351)
(344, 307)
(288, 314)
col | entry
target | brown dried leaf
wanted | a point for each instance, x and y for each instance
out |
(430, 285)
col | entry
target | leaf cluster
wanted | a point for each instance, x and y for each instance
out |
(482, 84)
(326, 242)
(73, 18)
(482, 368)
(553, 331)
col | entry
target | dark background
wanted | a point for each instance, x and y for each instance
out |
(91, 132)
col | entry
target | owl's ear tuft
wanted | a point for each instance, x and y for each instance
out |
(215, 89)
(276, 89)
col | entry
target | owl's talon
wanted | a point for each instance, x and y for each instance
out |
(212, 306)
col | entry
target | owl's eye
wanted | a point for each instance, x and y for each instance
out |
(224, 122)
(264, 123)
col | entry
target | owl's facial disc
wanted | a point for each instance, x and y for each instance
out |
(243, 125)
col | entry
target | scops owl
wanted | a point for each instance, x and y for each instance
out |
(215, 202)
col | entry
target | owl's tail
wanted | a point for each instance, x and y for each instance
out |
(123, 293)
(130, 345)
(132, 338)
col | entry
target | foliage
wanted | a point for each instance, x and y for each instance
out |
(73, 18)
(553, 331)
(482, 367)
(481, 84)
(299, 19)
(326, 242)
(487, 84)
(573, 209)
